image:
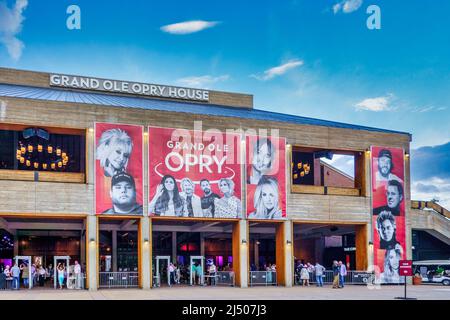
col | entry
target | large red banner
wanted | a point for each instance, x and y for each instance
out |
(388, 208)
(118, 169)
(194, 173)
(266, 177)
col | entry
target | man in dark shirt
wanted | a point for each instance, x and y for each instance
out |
(123, 195)
(208, 199)
(394, 197)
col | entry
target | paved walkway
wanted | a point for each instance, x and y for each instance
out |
(350, 292)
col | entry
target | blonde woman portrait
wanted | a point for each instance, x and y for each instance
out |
(114, 150)
(266, 200)
(229, 206)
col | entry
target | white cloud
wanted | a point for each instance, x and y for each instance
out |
(279, 70)
(433, 188)
(374, 104)
(337, 7)
(11, 25)
(187, 27)
(202, 81)
(347, 6)
(342, 162)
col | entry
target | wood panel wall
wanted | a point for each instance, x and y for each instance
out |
(361, 243)
(280, 254)
(236, 245)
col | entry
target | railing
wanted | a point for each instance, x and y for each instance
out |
(119, 280)
(265, 278)
(225, 278)
(352, 277)
(430, 205)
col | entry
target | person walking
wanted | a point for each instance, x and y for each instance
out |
(319, 270)
(77, 272)
(60, 270)
(178, 274)
(194, 273)
(304, 276)
(269, 274)
(34, 274)
(342, 274)
(25, 275)
(212, 273)
(336, 271)
(15, 272)
(2, 279)
(41, 276)
(171, 271)
(199, 272)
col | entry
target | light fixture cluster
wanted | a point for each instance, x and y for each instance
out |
(35, 152)
(300, 169)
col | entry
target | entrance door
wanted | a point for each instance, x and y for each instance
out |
(162, 263)
(27, 260)
(66, 261)
(195, 262)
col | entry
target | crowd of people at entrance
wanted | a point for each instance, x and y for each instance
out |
(305, 273)
(181, 274)
(20, 274)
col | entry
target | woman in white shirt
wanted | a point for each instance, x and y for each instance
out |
(229, 206)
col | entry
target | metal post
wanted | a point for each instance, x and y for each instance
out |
(405, 287)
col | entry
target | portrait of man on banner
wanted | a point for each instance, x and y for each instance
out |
(118, 169)
(194, 174)
(266, 177)
(388, 203)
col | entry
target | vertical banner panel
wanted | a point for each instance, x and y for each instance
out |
(266, 177)
(194, 173)
(388, 209)
(118, 169)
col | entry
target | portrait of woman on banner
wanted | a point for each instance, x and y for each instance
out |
(113, 151)
(266, 200)
(390, 272)
(167, 200)
(264, 153)
(229, 206)
(118, 169)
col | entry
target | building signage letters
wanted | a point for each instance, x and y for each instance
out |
(153, 90)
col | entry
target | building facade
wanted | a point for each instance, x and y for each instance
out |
(57, 208)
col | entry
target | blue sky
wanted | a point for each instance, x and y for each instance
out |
(301, 57)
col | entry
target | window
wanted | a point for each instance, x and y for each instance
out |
(324, 171)
(42, 149)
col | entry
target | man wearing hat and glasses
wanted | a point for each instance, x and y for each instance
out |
(123, 195)
(385, 166)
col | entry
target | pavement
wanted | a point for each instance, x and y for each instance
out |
(350, 292)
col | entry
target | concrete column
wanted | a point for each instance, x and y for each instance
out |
(145, 253)
(319, 246)
(92, 252)
(362, 247)
(202, 244)
(16, 244)
(240, 242)
(83, 249)
(114, 250)
(256, 249)
(289, 256)
(174, 246)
